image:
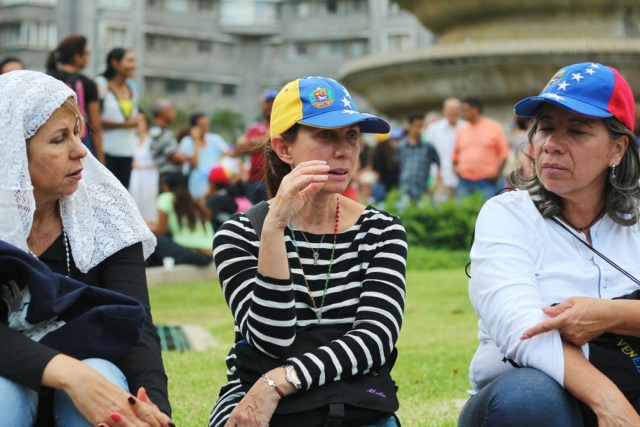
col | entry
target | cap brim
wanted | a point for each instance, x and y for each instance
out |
(336, 119)
(528, 107)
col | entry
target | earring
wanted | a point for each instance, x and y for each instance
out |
(612, 176)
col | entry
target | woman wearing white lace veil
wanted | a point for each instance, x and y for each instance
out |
(61, 205)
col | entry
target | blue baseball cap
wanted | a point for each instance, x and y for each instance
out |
(269, 95)
(320, 102)
(587, 89)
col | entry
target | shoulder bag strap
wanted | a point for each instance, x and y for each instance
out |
(595, 251)
(256, 215)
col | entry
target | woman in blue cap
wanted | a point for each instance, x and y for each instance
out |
(539, 281)
(318, 294)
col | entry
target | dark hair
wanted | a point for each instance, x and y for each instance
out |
(621, 194)
(68, 48)
(474, 101)
(522, 123)
(414, 116)
(193, 118)
(114, 54)
(9, 59)
(275, 169)
(183, 203)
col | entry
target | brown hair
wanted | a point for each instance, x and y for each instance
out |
(68, 48)
(275, 169)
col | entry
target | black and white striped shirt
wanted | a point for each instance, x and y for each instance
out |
(366, 291)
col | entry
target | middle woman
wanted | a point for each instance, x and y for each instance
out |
(319, 293)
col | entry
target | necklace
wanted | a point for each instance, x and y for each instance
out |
(316, 252)
(66, 251)
(586, 227)
(317, 310)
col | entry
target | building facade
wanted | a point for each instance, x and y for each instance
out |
(207, 55)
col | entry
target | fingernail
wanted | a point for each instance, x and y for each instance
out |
(131, 400)
(116, 417)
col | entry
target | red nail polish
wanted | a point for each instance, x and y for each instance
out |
(116, 417)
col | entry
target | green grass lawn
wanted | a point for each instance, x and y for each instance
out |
(437, 341)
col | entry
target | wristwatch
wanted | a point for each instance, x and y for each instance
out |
(291, 376)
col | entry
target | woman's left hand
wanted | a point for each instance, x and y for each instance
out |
(578, 319)
(256, 408)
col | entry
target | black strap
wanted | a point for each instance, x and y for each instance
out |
(256, 215)
(595, 251)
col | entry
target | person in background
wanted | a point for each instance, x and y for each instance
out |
(442, 134)
(541, 293)
(385, 164)
(220, 200)
(183, 229)
(10, 63)
(415, 157)
(251, 142)
(480, 152)
(119, 113)
(164, 145)
(65, 63)
(205, 149)
(144, 183)
(62, 206)
(315, 243)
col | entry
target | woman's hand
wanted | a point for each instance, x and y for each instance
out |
(617, 413)
(257, 407)
(578, 319)
(296, 189)
(100, 401)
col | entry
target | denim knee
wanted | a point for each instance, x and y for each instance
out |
(65, 412)
(18, 404)
(522, 397)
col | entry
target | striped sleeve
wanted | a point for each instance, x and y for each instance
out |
(379, 314)
(263, 308)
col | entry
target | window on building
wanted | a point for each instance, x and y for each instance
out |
(205, 46)
(301, 9)
(205, 5)
(399, 42)
(116, 37)
(300, 50)
(334, 49)
(10, 35)
(205, 88)
(229, 90)
(358, 48)
(115, 4)
(18, 2)
(228, 50)
(394, 9)
(28, 34)
(152, 3)
(358, 5)
(332, 6)
(180, 6)
(175, 86)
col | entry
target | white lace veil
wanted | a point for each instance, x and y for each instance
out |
(100, 218)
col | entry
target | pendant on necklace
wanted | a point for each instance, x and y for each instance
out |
(316, 255)
(319, 315)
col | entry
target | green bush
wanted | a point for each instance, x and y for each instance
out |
(445, 225)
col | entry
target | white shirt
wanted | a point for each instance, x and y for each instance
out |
(520, 263)
(443, 137)
(119, 142)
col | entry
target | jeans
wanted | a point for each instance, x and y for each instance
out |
(488, 188)
(19, 404)
(524, 397)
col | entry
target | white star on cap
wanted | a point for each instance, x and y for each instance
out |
(576, 76)
(349, 112)
(563, 85)
(594, 65)
(590, 71)
(346, 102)
(346, 92)
(554, 96)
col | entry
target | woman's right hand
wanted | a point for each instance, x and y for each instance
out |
(617, 412)
(98, 400)
(296, 189)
